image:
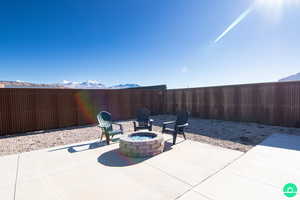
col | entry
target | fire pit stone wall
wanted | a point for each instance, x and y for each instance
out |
(143, 148)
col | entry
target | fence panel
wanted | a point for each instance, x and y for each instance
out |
(24, 110)
(269, 103)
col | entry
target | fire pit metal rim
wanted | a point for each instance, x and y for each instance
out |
(128, 139)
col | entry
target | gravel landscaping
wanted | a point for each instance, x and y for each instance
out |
(240, 136)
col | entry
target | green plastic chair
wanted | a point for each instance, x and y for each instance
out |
(105, 123)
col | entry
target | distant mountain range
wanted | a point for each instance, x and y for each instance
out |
(21, 84)
(294, 77)
(90, 84)
(128, 85)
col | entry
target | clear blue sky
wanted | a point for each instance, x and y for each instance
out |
(148, 41)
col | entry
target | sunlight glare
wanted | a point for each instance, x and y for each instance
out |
(272, 9)
(276, 3)
(270, 2)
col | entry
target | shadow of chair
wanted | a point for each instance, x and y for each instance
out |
(90, 146)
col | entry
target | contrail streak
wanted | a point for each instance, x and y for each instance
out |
(235, 22)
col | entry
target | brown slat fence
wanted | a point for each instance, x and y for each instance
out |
(269, 103)
(24, 110)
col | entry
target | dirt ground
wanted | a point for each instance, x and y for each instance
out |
(240, 136)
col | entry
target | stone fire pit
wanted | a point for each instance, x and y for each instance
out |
(142, 144)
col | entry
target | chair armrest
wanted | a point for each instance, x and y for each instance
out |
(165, 125)
(120, 125)
(182, 125)
(117, 123)
(151, 121)
(170, 122)
(99, 126)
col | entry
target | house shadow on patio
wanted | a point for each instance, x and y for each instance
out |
(114, 158)
(283, 141)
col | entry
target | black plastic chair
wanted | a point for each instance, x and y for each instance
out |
(143, 120)
(179, 125)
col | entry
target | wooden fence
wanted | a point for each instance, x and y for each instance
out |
(269, 103)
(24, 110)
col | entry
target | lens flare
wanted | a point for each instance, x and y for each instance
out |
(234, 23)
(84, 102)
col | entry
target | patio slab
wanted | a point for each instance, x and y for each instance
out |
(187, 170)
(91, 170)
(8, 173)
(192, 195)
(9, 165)
(7, 192)
(260, 174)
(193, 162)
(41, 163)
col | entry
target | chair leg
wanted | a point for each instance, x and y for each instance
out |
(184, 135)
(174, 137)
(107, 138)
(163, 128)
(134, 126)
(101, 136)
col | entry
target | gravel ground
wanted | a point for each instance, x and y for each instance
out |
(239, 136)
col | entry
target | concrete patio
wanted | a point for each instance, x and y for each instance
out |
(188, 170)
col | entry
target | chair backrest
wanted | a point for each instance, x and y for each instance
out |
(182, 117)
(143, 115)
(104, 120)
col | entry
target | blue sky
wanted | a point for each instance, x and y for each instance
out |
(149, 42)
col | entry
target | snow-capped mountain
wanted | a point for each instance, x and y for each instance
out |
(91, 84)
(22, 84)
(294, 77)
(128, 85)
